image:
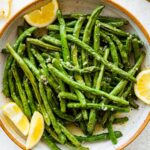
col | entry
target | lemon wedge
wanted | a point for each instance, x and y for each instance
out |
(36, 130)
(5, 8)
(142, 87)
(46, 15)
(15, 114)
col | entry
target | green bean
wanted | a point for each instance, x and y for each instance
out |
(35, 71)
(96, 46)
(54, 107)
(13, 94)
(82, 100)
(56, 28)
(30, 55)
(29, 94)
(92, 118)
(116, 24)
(49, 95)
(50, 113)
(74, 16)
(70, 96)
(53, 134)
(108, 19)
(86, 70)
(66, 57)
(83, 87)
(113, 30)
(42, 44)
(65, 48)
(56, 62)
(63, 116)
(69, 136)
(30, 76)
(128, 90)
(123, 83)
(111, 132)
(99, 58)
(120, 120)
(92, 121)
(71, 23)
(132, 103)
(9, 61)
(90, 24)
(22, 94)
(121, 92)
(50, 143)
(128, 44)
(54, 33)
(112, 47)
(62, 88)
(98, 106)
(112, 23)
(74, 49)
(136, 49)
(67, 95)
(101, 73)
(79, 94)
(121, 49)
(25, 34)
(45, 69)
(106, 115)
(78, 117)
(45, 101)
(21, 48)
(98, 137)
(86, 39)
(141, 43)
(62, 102)
(51, 40)
(47, 56)
(110, 77)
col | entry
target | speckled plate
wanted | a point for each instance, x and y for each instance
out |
(137, 118)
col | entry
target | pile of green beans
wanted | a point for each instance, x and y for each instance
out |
(80, 70)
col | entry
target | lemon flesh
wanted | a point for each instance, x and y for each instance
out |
(142, 87)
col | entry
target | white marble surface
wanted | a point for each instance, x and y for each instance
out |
(139, 8)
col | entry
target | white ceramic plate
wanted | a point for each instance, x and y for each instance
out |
(137, 118)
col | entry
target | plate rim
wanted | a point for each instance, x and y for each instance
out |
(126, 12)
